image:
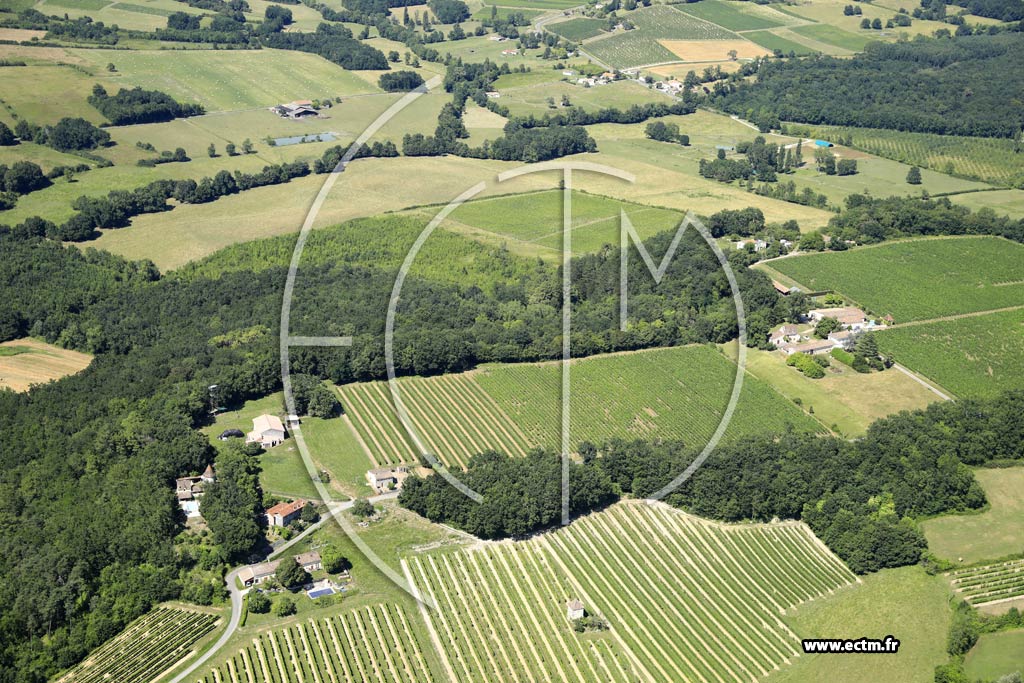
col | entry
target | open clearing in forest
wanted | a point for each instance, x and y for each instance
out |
(987, 535)
(147, 648)
(677, 393)
(684, 598)
(24, 362)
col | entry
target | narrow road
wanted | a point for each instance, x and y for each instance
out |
(238, 594)
(926, 385)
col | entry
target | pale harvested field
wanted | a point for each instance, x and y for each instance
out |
(20, 34)
(678, 71)
(713, 50)
(39, 364)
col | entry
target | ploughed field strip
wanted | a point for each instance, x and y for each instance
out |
(147, 648)
(453, 415)
(370, 645)
(990, 583)
(685, 599)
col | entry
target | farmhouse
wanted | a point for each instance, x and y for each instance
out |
(848, 316)
(298, 109)
(387, 478)
(785, 335)
(310, 561)
(189, 489)
(844, 338)
(284, 514)
(256, 574)
(292, 420)
(812, 348)
(574, 609)
(267, 431)
(758, 244)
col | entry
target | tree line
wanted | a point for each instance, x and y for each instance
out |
(136, 105)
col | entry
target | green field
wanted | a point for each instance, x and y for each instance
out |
(513, 407)
(834, 36)
(775, 42)
(977, 356)
(639, 46)
(990, 160)
(578, 29)
(906, 603)
(734, 16)
(918, 279)
(688, 599)
(531, 224)
(228, 79)
(503, 12)
(526, 94)
(677, 393)
(995, 655)
(987, 535)
(373, 645)
(146, 649)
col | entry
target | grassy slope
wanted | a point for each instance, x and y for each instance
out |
(989, 535)
(906, 603)
(995, 655)
(845, 400)
(918, 279)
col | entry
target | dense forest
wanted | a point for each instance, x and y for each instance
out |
(940, 85)
(860, 497)
(136, 105)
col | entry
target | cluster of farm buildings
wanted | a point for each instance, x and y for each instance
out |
(852, 321)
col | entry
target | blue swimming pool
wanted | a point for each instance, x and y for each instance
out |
(311, 137)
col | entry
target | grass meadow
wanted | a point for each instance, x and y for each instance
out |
(996, 655)
(918, 279)
(734, 16)
(906, 603)
(987, 535)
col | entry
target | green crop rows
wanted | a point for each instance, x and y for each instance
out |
(919, 279)
(688, 599)
(148, 647)
(726, 15)
(578, 30)
(678, 393)
(453, 415)
(990, 583)
(639, 46)
(370, 645)
(978, 356)
(990, 160)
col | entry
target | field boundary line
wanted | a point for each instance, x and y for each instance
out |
(359, 438)
(959, 316)
(923, 381)
(441, 654)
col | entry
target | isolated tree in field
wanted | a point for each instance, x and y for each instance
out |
(24, 177)
(212, 150)
(914, 176)
(846, 167)
(230, 149)
(825, 160)
(6, 135)
(285, 607)
(732, 55)
(291, 574)
(876, 24)
(362, 508)
(247, 146)
(259, 603)
(865, 23)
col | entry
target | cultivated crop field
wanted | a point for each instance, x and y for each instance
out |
(979, 356)
(677, 393)
(685, 599)
(730, 15)
(453, 415)
(639, 46)
(147, 648)
(24, 362)
(989, 160)
(370, 645)
(773, 41)
(578, 29)
(990, 583)
(918, 279)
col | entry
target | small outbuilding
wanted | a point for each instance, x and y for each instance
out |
(231, 434)
(574, 609)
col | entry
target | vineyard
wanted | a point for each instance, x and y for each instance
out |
(919, 279)
(370, 645)
(991, 160)
(728, 15)
(991, 583)
(578, 30)
(640, 46)
(146, 649)
(453, 415)
(678, 393)
(684, 599)
(980, 356)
